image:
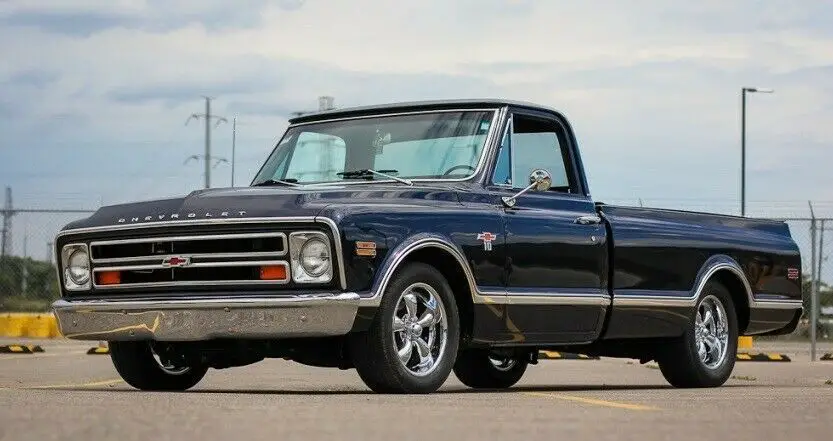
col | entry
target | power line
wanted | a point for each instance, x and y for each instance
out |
(207, 116)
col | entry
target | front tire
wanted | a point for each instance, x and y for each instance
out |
(412, 341)
(479, 369)
(137, 363)
(704, 356)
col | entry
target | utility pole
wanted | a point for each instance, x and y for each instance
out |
(233, 146)
(743, 93)
(207, 156)
(6, 232)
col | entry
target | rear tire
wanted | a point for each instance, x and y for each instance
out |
(704, 356)
(478, 369)
(402, 326)
(135, 362)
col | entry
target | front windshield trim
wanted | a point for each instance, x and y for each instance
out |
(486, 152)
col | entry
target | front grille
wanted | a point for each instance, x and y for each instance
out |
(190, 260)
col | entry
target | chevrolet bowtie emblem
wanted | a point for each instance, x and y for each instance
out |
(175, 261)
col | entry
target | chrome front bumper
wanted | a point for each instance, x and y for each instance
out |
(206, 318)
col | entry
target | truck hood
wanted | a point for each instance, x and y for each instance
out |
(253, 202)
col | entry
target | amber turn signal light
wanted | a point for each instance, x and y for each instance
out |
(109, 278)
(273, 272)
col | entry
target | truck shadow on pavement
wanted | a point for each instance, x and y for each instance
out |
(446, 390)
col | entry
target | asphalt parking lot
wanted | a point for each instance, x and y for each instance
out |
(64, 393)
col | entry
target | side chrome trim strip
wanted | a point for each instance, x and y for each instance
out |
(712, 266)
(251, 220)
(491, 296)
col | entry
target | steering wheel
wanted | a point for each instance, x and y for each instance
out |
(456, 167)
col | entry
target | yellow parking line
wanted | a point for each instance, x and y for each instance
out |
(65, 386)
(604, 403)
(34, 356)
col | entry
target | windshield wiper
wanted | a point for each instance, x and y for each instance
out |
(289, 182)
(368, 172)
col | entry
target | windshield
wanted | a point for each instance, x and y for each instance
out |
(440, 145)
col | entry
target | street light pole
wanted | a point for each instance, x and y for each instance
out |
(743, 92)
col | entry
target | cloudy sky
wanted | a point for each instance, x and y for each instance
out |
(94, 95)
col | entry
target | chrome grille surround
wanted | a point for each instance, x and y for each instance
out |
(205, 260)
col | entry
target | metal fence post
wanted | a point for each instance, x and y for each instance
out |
(813, 289)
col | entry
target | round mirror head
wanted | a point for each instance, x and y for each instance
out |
(541, 178)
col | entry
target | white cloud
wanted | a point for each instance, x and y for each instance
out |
(652, 89)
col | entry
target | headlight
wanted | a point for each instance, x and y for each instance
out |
(311, 257)
(315, 257)
(75, 261)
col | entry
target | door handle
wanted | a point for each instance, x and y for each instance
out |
(588, 220)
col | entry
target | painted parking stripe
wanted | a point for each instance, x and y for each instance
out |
(593, 401)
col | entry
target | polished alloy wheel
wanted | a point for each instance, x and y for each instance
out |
(166, 364)
(502, 364)
(420, 329)
(711, 334)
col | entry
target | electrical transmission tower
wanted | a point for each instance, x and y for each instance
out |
(207, 116)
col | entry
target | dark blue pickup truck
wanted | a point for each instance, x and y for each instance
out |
(412, 240)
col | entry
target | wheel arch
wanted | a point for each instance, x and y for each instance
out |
(726, 271)
(447, 258)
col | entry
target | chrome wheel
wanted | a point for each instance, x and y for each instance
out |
(166, 365)
(502, 364)
(711, 333)
(420, 329)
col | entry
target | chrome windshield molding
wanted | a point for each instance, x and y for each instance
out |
(321, 315)
(498, 113)
(325, 120)
(201, 222)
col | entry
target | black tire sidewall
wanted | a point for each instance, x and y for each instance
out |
(134, 362)
(720, 374)
(682, 366)
(474, 369)
(378, 363)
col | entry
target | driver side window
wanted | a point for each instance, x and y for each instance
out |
(532, 143)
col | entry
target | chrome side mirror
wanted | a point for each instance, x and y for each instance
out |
(539, 180)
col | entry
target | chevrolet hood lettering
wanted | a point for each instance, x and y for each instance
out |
(266, 202)
(174, 216)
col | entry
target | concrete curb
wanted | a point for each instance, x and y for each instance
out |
(29, 325)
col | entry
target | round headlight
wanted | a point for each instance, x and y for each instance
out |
(315, 257)
(78, 267)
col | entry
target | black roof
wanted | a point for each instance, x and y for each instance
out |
(411, 106)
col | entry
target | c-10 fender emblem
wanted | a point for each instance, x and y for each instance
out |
(487, 239)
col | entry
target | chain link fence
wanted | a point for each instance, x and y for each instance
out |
(28, 279)
(28, 276)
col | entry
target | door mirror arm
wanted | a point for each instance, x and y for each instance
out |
(539, 180)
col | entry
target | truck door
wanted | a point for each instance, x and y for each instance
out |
(555, 242)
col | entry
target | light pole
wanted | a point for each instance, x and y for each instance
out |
(743, 93)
